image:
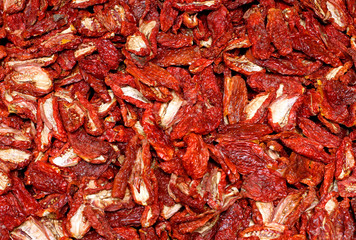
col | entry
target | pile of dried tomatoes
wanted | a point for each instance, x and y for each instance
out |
(177, 119)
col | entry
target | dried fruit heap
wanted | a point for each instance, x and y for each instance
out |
(177, 119)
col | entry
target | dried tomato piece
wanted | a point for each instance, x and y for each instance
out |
(14, 27)
(347, 186)
(153, 75)
(177, 57)
(338, 93)
(125, 217)
(11, 214)
(278, 31)
(171, 40)
(30, 79)
(261, 42)
(343, 221)
(242, 64)
(71, 112)
(66, 157)
(117, 17)
(33, 228)
(255, 111)
(121, 178)
(168, 111)
(247, 156)
(196, 6)
(304, 170)
(109, 54)
(330, 109)
(263, 185)
(94, 66)
(193, 223)
(129, 115)
(128, 93)
(189, 20)
(156, 137)
(264, 231)
(262, 212)
(11, 7)
(311, 103)
(18, 103)
(46, 177)
(127, 233)
(282, 112)
(97, 220)
(241, 131)
(48, 109)
(306, 147)
(31, 60)
(293, 64)
(97, 84)
(168, 15)
(283, 84)
(85, 4)
(308, 44)
(150, 215)
(90, 148)
(54, 204)
(5, 179)
(291, 207)
(139, 180)
(345, 159)
(138, 44)
(67, 60)
(339, 14)
(200, 118)
(27, 202)
(58, 41)
(84, 169)
(235, 99)
(180, 190)
(77, 224)
(234, 220)
(319, 218)
(92, 122)
(17, 138)
(167, 204)
(200, 65)
(195, 160)
(104, 108)
(221, 32)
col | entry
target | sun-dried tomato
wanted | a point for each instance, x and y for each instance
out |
(177, 57)
(27, 202)
(45, 177)
(234, 220)
(156, 137)
(248, 157)
(278, 31)
(90, 148)
(195, 160)
(306, 147)
(71, 112)
(241, 131)
(309, 45)
(235, 99)
(168, 15)
(261, 42)
(264, 186)
(304, 170)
